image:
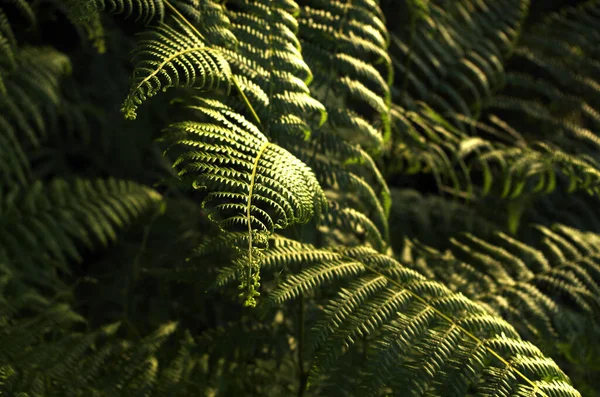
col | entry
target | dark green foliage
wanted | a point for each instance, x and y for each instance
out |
(407, 191)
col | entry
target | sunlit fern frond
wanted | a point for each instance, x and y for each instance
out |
(345, 43)
(345, 46)
(405, 323)
(253, 185)
(546, 293)
(270, 66)
(175, 57)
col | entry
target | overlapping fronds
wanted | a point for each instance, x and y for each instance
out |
(48, 221)
(553, 87)
(288, 110)
(409, 324)
(38, 360)
(546, 293)
(252, 184)
(345, 44)
(498, 157)
(452, 57)
(272, 72)
(345, 47)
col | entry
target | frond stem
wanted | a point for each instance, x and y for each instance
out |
(235, 82)
(249, 204)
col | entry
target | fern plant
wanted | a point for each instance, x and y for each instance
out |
(368, 190)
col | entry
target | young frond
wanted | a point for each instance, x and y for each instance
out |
(175, 57)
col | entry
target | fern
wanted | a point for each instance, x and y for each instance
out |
(299, 169)
(233, 192)
(174, 57)
(404, 313)
(547, 294)
(252, 184)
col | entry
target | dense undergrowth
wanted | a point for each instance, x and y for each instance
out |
(310, 198)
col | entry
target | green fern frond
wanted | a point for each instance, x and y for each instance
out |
(405, 318)
(146, 10)
(253, 185)
(268, 55)
(544, 293)
(552, 66)
(345, 44)
(175, 57)
(48, 221)
(452, 58)
(33, 89)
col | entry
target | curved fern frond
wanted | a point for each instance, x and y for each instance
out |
(405, 318)
(253, 185)
(174, 57)
(545, 293)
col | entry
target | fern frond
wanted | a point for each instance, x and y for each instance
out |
(552, 89)
(406, 318)
(146, 10)
(541, 292)
(48, 221)
(253, 185)
(174, 57)
(452, 58)
(346, 45)
(268, 55)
